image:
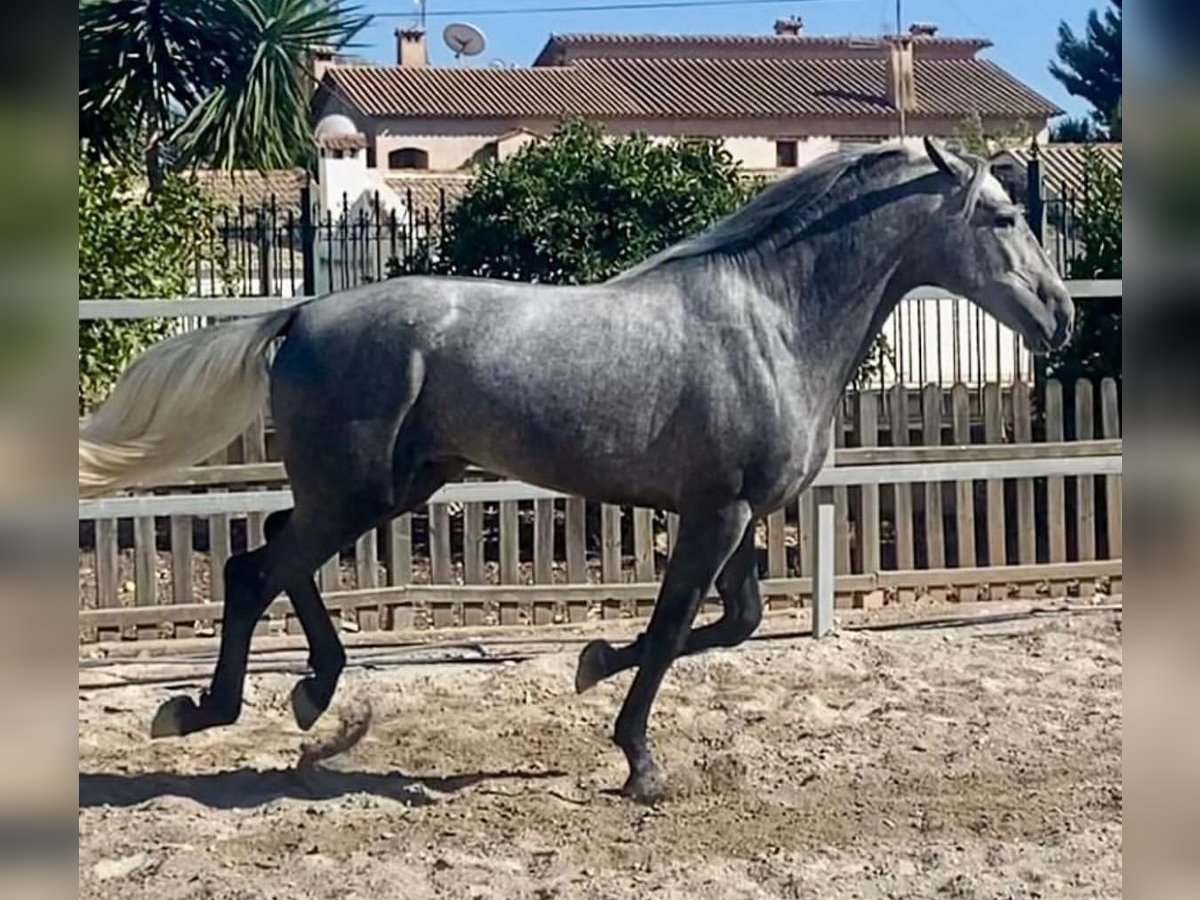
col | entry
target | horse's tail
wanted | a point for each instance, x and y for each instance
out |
(180, 401)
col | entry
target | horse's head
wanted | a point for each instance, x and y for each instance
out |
(983, 249)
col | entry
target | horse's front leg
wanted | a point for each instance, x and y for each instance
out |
(706, 541)
(738, 587)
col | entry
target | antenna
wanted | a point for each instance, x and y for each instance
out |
(463, 39)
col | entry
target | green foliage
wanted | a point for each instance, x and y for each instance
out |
(973, 138)
(132, 246)
(580, 208)
(1090, 67)
(1074, 131)
(1095, 350)
(221, 83)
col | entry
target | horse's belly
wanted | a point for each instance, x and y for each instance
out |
(579, 469)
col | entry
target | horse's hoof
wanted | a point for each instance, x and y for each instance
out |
(304, 707)
(646, 787)
(173, 717)
(593, 665)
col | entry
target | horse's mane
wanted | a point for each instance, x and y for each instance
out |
(790, 204)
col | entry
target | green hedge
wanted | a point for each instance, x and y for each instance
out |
(132, 245)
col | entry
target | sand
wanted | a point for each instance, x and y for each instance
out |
(969, 763)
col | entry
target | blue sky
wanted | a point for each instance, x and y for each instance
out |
(1024, 31)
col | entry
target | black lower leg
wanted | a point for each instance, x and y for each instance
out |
(326, 656)
(738, 587)
(246, 599)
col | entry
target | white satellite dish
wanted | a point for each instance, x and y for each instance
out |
(463, 39)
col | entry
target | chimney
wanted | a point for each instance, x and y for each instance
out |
(790, 27)
(410, 48)
(323, 59)
(900, 87)
(922, 29)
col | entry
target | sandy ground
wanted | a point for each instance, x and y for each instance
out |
(968, 763)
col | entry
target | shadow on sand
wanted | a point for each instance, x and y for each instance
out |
(246, 788)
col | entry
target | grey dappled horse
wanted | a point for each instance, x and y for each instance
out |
(702, 381)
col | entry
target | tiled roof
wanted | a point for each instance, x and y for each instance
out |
(253, 189)
(826, 87)
(691, 88)
(342, 141)
(471, 93)
(426, 190)
(1063, 164)
(562, 47)
(518, 132)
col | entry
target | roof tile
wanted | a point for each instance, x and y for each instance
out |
(247, 188)
(427, 190)
(566, 47)
(1063, 164)
(687, 87)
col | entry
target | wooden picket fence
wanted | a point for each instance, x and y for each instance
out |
(565, 559)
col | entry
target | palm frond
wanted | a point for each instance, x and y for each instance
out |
(237, 69)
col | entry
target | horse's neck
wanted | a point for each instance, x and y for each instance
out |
(839, 287)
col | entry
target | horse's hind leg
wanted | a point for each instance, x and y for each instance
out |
(252, 580)
(322, 522)
(312, 695)
(326, 657)
(738, 587)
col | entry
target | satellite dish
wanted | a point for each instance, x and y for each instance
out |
(463, 39)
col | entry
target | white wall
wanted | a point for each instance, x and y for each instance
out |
(344, 186)
(943, 340)
(338, 178)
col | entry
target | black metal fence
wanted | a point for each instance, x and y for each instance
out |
(1057, 213)
(286, 247)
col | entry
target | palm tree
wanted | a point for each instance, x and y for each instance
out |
(224, 83)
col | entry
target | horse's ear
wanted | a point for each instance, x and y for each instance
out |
(947, 162)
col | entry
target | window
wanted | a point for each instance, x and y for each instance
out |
(408, 158)
(489, 152)
(785, 154)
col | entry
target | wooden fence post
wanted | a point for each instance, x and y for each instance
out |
(868, 436)
(964, 491)
(1110, 423)
(1056, 504)
(824, 539)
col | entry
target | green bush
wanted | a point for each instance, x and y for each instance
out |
(132, 245)
(578, 209)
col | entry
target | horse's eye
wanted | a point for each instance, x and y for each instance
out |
(1006, 220)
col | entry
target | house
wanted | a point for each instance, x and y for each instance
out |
(1062, 167)
(1063, 189)
(776, 100)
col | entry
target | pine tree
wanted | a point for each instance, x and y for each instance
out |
(1090, 67)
